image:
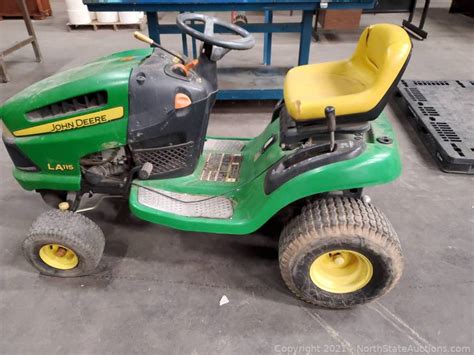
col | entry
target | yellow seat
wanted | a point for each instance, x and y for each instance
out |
(357, 87)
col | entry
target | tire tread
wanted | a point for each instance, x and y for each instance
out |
(69, 229)
(332, 217)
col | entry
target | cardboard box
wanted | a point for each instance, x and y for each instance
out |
(339, 19)
(38, 9)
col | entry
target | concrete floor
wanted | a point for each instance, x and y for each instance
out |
(158, 290)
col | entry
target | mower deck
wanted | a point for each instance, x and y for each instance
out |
(226, 192)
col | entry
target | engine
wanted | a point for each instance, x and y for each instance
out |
(107, 168)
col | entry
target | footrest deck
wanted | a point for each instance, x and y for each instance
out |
(199, 206)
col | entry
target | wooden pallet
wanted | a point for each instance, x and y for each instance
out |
(115, 25)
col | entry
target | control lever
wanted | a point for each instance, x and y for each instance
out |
(143, 38)
(330, 113)
(148, 40)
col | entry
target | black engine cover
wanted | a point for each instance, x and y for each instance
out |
(170, 139)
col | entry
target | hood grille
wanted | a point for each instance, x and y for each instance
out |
(68, 106)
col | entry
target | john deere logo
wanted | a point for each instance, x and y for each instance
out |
(87, 120)
(78, 123)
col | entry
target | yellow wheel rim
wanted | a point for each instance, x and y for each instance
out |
(58, 256)
(341, 271)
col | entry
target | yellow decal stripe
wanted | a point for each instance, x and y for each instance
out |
(90, 119)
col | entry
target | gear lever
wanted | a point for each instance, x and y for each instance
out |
(330, 113)
(148, 40)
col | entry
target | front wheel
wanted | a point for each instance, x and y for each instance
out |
(64, 244)
(340, 252)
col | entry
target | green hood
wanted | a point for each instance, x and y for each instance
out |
(109, 74)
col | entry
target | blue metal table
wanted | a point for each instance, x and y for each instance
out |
(261, 92)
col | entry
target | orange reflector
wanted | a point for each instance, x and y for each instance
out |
(191, 65)
(181, 101)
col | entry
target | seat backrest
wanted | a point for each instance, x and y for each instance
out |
(383, 49)
(360, 87)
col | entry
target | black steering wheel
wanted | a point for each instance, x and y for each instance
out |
(245, 42)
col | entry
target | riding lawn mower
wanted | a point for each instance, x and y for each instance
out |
(133, 125)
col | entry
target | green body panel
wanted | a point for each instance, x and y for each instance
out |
(111, 74)
(378, 164)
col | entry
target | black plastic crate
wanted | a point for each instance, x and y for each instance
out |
(442, 112)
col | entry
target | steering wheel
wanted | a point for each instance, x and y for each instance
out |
(245, 42)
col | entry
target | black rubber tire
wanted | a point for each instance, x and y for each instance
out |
(72, 230)
(339, 223)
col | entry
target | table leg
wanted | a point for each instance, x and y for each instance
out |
(315, 27)
(184, 42)
(3, 71)
(193, 44)
(305, 38)
(411, 27)
(267, 40)
(30, 29)
(424, 14)
(412, 10)
(194, 49)
(153, 31)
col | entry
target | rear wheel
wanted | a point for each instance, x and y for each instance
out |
(340, 252)
(64, 244)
